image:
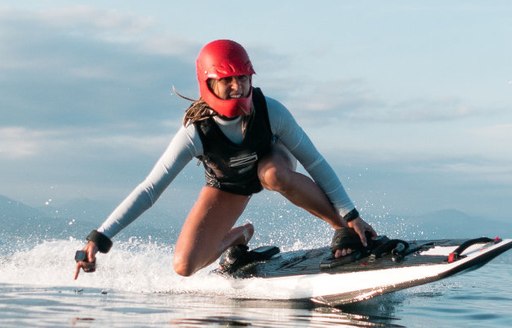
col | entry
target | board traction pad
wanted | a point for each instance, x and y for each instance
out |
(309, 261)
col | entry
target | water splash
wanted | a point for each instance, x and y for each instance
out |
(134, 266)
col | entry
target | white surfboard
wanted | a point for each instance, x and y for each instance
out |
(314, 275)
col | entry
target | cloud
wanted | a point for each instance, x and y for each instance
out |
(85, 67)
(484, 171)
(354, 99)
(18, 143)
(76, 161)
(424, 110)
(82, 66)
(341, 96)
(498, 132)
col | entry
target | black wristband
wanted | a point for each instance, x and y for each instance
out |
(103, 242)
(81, 256)
(351, 216)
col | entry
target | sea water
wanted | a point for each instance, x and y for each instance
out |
(135, 286)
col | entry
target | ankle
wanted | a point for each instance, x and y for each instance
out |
(247, 232)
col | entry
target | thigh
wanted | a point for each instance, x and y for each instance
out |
(279, 156)
(210, 219)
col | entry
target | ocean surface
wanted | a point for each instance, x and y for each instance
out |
(135, 286)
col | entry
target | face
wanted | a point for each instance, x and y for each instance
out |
(232, 87)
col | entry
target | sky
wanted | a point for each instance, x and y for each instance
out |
(409, 101)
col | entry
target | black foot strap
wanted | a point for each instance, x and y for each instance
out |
(236, 257)
(456, 254)
(358, 250)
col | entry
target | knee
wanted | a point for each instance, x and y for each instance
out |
(183, 266)
(274, 178)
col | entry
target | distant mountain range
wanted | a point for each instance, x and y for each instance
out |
(13, 209)
(77, 218)
(450, 223)
(73, 219)
(21, 220)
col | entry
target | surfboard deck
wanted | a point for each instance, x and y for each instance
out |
(313, 274)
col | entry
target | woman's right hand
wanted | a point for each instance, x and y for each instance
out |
(89, 263)
(361, 227)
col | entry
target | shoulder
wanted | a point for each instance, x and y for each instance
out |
(281, 119)
(187, 138)
(276, 110)
(190, 130)
(273, 104)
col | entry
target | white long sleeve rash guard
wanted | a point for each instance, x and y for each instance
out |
(187, 145)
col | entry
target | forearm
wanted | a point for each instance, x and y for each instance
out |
(322, 173)
(296, 140)
(180, 151)
(136, 203)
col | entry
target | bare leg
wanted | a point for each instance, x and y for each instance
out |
(276, 173)
(208, 230)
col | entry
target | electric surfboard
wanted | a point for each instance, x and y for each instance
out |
(313, 274)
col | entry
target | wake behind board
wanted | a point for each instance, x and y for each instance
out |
(313, 274)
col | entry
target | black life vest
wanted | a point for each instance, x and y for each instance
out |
(233, 167)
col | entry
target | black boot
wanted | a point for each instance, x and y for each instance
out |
(234, 258)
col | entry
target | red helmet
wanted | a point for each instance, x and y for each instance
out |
(219, 59)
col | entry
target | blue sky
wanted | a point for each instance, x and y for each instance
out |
(410, 101)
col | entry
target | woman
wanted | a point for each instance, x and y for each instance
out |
(246, 142)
